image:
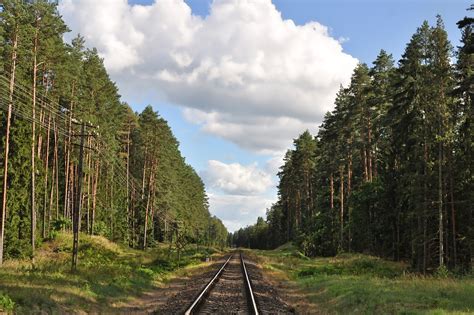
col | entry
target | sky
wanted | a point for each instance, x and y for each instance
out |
(237, 80)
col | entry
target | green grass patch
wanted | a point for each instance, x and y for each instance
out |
(6, 303)
(362, 284)
(107, 273)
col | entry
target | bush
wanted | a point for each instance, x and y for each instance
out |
(6, 303)
(101, 228)
(59, 225)
(17, 248)
(442, 272)
(354, 266)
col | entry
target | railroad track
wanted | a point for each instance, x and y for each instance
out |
(229, 291)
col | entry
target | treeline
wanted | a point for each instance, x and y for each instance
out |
(134, 187)
(391, 170)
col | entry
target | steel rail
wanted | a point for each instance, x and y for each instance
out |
(198, 301)
(248, 287)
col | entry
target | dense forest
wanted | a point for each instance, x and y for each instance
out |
(70, 147)
(390, 171)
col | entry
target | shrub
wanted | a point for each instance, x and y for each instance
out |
(442, 272)
(59, 225)
(6, 303)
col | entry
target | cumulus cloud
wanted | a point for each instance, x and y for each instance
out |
(238, 211)
(236, 179)
(238, 194)
(243, 72)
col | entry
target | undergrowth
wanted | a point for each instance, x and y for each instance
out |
(107, 273)
(362, 284)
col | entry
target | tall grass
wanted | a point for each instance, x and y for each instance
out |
(362, 284)
(107, 273)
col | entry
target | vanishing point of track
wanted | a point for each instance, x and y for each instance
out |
(229, 291)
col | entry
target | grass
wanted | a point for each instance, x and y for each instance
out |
(107, 273)
(362, 284)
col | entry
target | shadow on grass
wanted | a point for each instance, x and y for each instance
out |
(31, 298)
(361, 284)
(107, 273)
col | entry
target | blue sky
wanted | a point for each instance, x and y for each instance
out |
(367, 26)
(370, 25)
(237, 82)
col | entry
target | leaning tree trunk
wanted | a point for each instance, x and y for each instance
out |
(150, 183)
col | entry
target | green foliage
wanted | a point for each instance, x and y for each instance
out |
(389, 172)
(6, 303)
(362, 284)
(134, 173)
(60, 224)
(359, 266)
(108, 273)
(442, 272)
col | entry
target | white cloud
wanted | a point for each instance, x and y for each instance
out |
(238, 194)
(236, 179)
(238, 211)
(243, 72)
(273, 164)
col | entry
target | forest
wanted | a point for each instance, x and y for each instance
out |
(77, 158)
(391, 170)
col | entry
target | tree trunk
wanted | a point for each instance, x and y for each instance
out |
(374, 162)
(76, 219)
(144, 173)
(453, 219)
(331, 180)
(349, 175)
(89, 175)
(366, 170)
(369, 149)
(298, 209)
(132, 223)
(440, 204)
(46, 169)
(425, 210)
(53, 181)
(94, 196)
(42, 116)
(56, 159)
(150, 183)
(67, 148)
(39, 142)
(72, 190)
(7, 142)
(112, 230)
(128, 177)
(341, 242)
(33, 147)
